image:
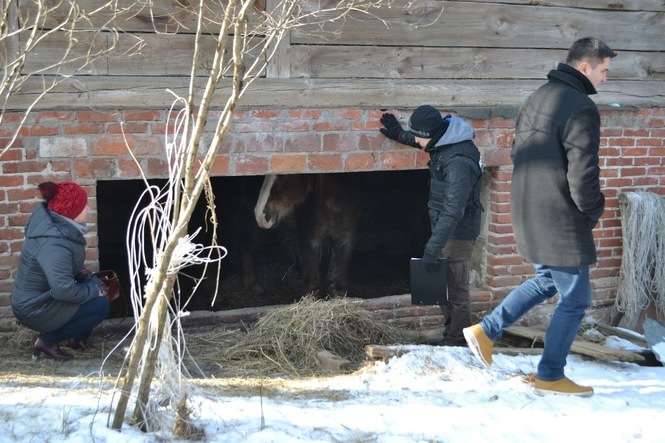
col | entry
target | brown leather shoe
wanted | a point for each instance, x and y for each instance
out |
(49, 351)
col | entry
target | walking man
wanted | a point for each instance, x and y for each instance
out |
(556, 202)
(454, 203)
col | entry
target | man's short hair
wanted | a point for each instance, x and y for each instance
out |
(590, 48)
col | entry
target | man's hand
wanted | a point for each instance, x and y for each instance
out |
(392, 129)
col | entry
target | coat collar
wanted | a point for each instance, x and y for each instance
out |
(567, 74)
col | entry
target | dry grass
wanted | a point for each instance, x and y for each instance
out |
(287, 340)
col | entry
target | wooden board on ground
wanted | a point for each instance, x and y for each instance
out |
(580, 347)
(633, 337)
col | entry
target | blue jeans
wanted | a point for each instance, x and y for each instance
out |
(573, 286)
(79, 327)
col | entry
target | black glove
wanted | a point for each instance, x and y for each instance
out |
(393, 130)
(431, 264)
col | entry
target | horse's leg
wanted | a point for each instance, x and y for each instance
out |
(342, 249)
(310, 244)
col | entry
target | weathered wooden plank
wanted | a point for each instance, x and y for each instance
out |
(613, 5)
(168, 54)
(172, 16)
(469, 24)
(326, 61)
(53, 48)
(581, 347)
(279, 65)
(385, 353)
(149, 92)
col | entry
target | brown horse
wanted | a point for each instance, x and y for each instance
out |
(326, 214)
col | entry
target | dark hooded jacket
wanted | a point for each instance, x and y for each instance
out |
(49, 285)
(454, 198)
(556, 197)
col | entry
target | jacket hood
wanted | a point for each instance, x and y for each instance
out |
(45, 223)
(458, 131)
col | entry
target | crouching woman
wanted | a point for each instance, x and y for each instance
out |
(53, 294)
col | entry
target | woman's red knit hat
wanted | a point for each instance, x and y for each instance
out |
(65, 198)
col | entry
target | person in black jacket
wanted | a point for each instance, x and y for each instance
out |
(53, 294)
(454, 202)
(556, 202)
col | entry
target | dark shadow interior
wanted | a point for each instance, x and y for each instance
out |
(393, 226)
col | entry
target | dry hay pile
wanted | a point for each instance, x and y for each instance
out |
(288, 339)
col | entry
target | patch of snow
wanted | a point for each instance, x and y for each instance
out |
(429, 394)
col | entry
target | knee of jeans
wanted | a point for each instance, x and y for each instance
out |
(103, 307)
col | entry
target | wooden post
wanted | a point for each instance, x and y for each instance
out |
(280, 64)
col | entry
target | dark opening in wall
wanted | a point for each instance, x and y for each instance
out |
(267, 266)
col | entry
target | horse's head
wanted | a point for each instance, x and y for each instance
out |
(279, 196)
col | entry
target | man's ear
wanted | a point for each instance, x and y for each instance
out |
(584, 67)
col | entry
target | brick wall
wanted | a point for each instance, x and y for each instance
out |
(86, 146)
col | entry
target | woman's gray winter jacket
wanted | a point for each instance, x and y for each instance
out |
(50, 284)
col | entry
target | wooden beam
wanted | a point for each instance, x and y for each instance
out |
(332, 61)
(280, 64)
(52, 49)
(164, 16)
(582, 347)
(493, 25)
(611, 5)
(142, 92)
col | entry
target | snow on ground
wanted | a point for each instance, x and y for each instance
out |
(430, 394)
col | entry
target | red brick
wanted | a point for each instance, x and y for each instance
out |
(610, 132)
(479, 123)
(11, 180)
(647, 161)
(398, 159)
(367, 125)
(500, 208)
(251, 164)
(264, 113)
(657, 133)
(92, 116)
(600, 273)
(611, 223)
(371, 142)
(635, 133)
(12, 117)
(501, 197)
(656, 171)
(39, 131)
(141, 115)
(645, 181)
(609, 172)
(496, 157)
(634, 152)
(41, 178)
(502, 174)
(293, 126)
(340, 142)
(505, 281)
(157, 168)
(287, 163)
(656, 123)
(483, 139)
(61, 165)
(311, 114)
(8, 261)
(324, 162)
(18, 219)
(83, 128)
(618, 182)
(649, 142)
(621, 141)
(220, 166)
(305, 142)
(422, 159)
(504, 140)
(350, 113)
(360, 161)
(114, 145)
(609, 242)
(609, 152)
(618, 161)
(632, 172)
(11, 233)
(501, 240)
(8, 208)
(23, 166)
(520, 270)
(96, 168)
(512, 260)
(657, 152)
(128, 128)
(501, 229)
(12, 155)
(55, 115)
(499, 122)
(331, 125)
